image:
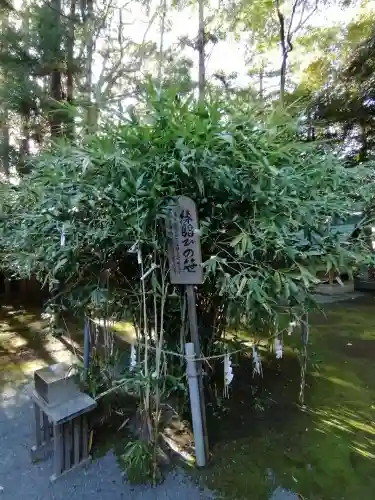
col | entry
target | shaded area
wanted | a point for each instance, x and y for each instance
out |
(263, 440)
(25, 344)
(23, 480)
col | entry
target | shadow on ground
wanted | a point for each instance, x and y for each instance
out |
(262, 439)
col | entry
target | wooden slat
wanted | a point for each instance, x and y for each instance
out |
(77, 439)
(58, 449)
(85, 438)
(67, 445)
(46, 431)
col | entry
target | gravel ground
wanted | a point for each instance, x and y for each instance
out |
(22, 480)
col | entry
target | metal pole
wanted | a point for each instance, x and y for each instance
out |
(193, 325)
(191, 369)
(305, 341)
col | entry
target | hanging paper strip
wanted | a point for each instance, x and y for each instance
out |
(228, 374)
(278, 348)
(133, 358)
(62, 236)
(256, 362)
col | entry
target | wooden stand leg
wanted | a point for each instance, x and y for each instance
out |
(57, 451)
(85, 438)
(77, 439)
(42, 448)
(67, 445)
(38, 434)
(72, 436)
(46, 429)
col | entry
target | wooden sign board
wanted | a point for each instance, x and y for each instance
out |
(184, 249)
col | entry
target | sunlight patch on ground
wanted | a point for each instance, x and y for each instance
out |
(363, 453)
(337, 381)
(25, 346)
(125, 331)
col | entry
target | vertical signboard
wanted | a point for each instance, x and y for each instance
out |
(184, 250)
(185, 268)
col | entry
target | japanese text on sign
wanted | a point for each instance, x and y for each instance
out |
(184, 243)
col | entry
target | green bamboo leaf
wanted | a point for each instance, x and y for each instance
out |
(237, 240)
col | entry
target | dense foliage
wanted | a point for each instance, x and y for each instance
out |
(265, 200)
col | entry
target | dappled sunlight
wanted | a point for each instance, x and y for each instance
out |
(338, 381)
(333, 437)
(15, 342)
(12, 397)
(357, 430)
(126, 331)
(363, 452)
(25, 345)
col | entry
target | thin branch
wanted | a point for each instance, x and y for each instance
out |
(289, 34)
(302, 22)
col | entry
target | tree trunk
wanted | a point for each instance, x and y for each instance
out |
(4, 112)
(364, 146)
(284, 51)
(283, 77)
(70, 68)
(261, 82)
(299, 10)
(91, 113)
(201, 54)
(121, 44)
(5, 142)
(55, 78)
(163, 6)
(25, 149)
(311, 128)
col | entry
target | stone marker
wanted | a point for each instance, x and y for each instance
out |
(55, 383)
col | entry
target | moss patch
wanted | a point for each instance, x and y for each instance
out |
(324, 451)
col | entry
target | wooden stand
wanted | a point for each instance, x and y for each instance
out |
(65, 426)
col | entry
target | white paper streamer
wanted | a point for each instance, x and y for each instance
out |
(228, 374)
(257, 363)
(278, 348)
(62, 236)
(133, 248)
(133, 358)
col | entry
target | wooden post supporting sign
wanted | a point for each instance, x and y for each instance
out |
(185, 262)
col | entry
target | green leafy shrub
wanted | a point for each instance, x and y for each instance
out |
(264, 197)
(137, 461)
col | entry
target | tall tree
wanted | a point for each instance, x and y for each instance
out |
(89, 23)
(70, 67)
(201, 43)
(55, 60)
(4, 117)
(290, 23)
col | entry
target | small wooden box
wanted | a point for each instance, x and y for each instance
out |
(55, 384)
